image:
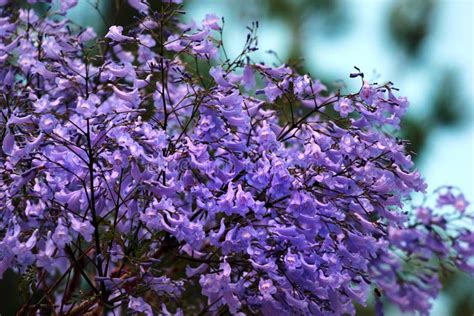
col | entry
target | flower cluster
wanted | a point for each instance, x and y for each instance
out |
(147, 171)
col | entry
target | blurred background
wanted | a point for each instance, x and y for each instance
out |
(426, 47)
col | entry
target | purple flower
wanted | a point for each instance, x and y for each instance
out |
(424, 214)
(137, 304)
(212, 22)
(302, 85)
(248, 79)
(243, 200)
(115, 34)
(198, 36)
(45, 258)
(344, 107)
(83, 227)
(461, 203)
(61, 235)
(35, 209)
(47, 123)
(218, 74)
(139, 5)
(86, 107)
(205, 49)
(457, 201)
(67, 4)
(292, 261)
(51, 47)
(367, 93)
(272, 91)
(174, 44)
(8, 142)
(266, 288)
(22, 250)
(219, 289)
(87, 35)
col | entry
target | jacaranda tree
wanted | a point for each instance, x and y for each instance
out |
(132, 181)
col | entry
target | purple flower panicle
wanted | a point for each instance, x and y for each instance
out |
(163, 189)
